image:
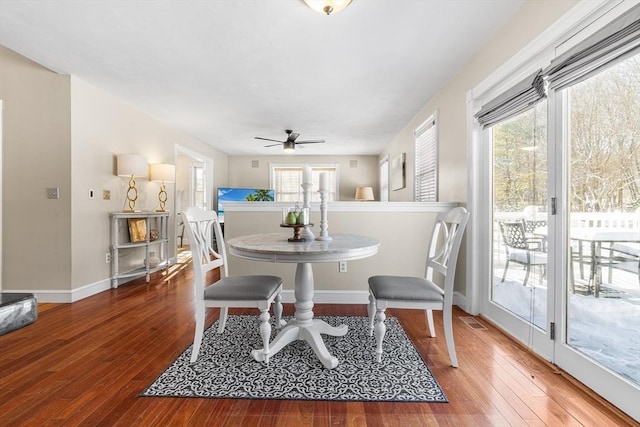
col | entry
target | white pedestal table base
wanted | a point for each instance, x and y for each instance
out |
(303, 326)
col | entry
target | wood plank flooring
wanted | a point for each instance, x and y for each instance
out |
(84, 364)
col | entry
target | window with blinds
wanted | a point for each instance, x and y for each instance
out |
(426, 161)
(286, 180)
(198, 197)
(384, 179)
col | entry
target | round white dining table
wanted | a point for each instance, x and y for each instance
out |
(275, 247)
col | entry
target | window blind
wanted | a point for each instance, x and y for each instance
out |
(426, 161)
(617, 41)
(287, 182)
(517, 99)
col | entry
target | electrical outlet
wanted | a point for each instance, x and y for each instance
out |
(106, 195)
(107, 257)
(342, 266)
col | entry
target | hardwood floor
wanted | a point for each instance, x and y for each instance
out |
(85, 364)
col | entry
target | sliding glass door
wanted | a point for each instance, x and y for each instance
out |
(518, 292)
(601, 310)
(560, 207)
(567, 285)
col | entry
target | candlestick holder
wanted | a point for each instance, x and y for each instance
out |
(324, 224)
(306, 232)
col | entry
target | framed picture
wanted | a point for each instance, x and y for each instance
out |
(137, 230)
(397, 174)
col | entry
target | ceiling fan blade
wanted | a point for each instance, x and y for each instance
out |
(274, 145)
(293, 136)
(268, 139)
(319, 141)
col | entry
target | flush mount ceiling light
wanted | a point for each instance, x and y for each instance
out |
(327, 7)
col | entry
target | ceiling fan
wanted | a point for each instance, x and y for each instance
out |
(290, 144)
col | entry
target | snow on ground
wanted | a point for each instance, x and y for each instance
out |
(606, 329)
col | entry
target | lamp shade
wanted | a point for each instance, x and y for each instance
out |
(162, 172)
(327, 7)
(132, 165)
(364, 193)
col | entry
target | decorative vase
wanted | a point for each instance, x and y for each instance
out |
(154, 261)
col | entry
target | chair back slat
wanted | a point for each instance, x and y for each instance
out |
(201, 226)
(445, 246)
(531, 225)
(513, 234)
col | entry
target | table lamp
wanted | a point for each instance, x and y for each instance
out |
(132, 166)
(364, 194)
(162, 172)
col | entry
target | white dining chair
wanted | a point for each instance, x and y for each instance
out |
(258, 291)
(422, 292)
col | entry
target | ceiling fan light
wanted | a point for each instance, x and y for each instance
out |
(327, 7)
(289, 147)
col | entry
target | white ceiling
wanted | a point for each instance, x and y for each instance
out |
(226, 71)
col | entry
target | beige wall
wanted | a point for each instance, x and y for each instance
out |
(403, 230)
(451, 103)
(242, 174)
(103, 127)
(36, 232)
(59, 131)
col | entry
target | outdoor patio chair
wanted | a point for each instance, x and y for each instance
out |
(258, 291)
(519, 249)
(422, 292)
(626, 257)
(530, 228)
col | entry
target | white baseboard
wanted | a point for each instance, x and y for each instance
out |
(64, 296)
(461, 301)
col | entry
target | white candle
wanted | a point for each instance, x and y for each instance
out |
(306, 175)
(324, 181)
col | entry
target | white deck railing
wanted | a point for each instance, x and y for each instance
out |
(623, 220)
(613, 220)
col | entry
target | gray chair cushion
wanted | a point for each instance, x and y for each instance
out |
(405, 288)
(535, 258)
(259, 287)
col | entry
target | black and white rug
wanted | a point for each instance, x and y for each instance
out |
(225, 368)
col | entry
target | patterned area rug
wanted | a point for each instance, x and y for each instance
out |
(225, 368)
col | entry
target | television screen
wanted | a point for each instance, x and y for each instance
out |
(228, 194)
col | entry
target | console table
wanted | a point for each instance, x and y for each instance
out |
(134, 233)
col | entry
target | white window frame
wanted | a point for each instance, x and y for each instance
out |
(425, 169)
(316, 168)
(384, 179)
(193, 185)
